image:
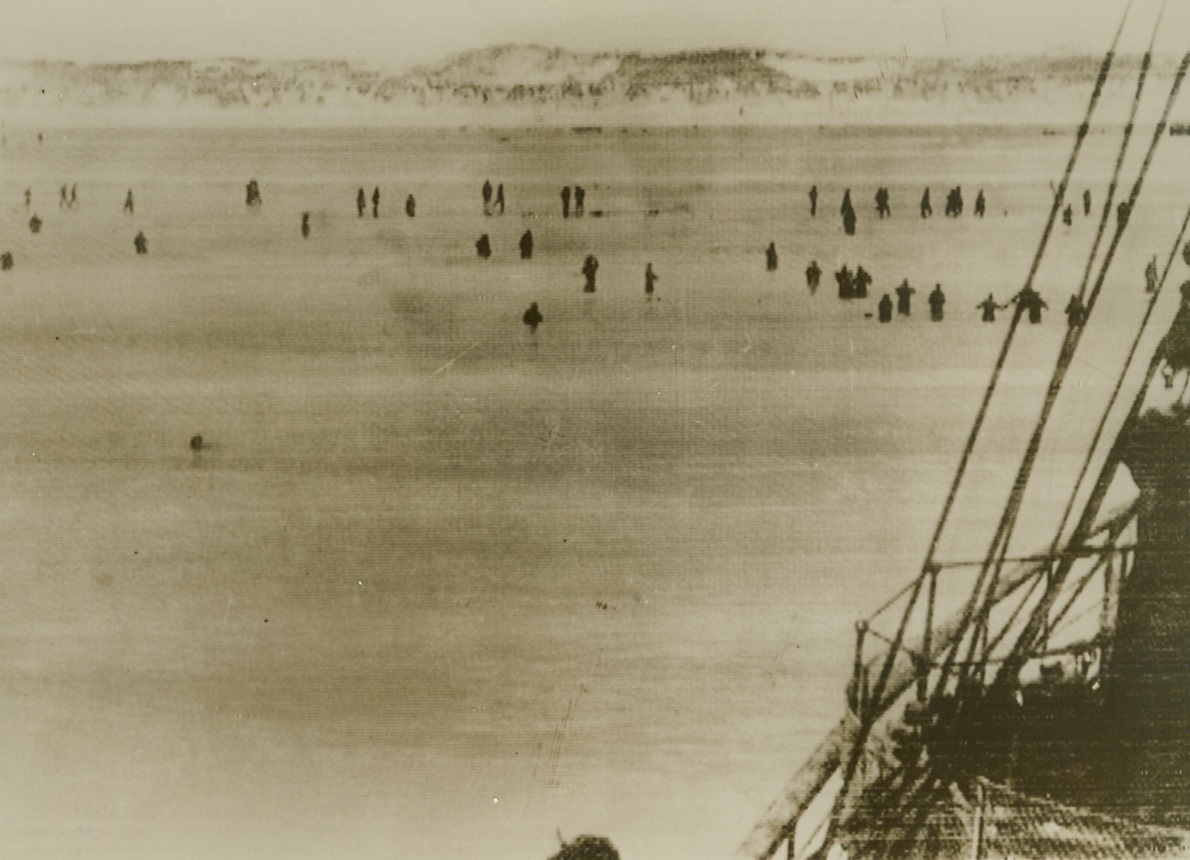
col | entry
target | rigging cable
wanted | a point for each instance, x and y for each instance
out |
(865, 727)
(1003, 536)
(1070, 343)
(1074, 333)
(1083, 527)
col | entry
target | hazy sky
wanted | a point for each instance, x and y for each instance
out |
(403, 32)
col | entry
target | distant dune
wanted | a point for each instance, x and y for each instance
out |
(525, 84)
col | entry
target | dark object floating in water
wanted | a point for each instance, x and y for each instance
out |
(35, 224)
(196, 443)
(587, 848)
(6, 261)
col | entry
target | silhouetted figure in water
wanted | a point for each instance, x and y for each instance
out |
(28, 197)
(883, 210)
(813, 201)
(487, 197)
(884, 309)
(937, 300)
(305, 225)
(6, 261)
(650, 279)
(34, 224)
(376, 202)
(500, 197)
(813, 275)
(361, 202)
(566, 201)
(1035, 308)
(1122, 213)
(770, 257)
(1029, 301)
(849, 222)
(981, 204)
(1068, 215)
(527, 245)
(1076, 312)
(1151, 276)
(989, 308)
(590, 267)
(845, 281)
(926, 209)
(1086, 201)
(252, 194)
(580, 195)
(954, 202)
(533, 318)
(483, 247)
(128, 206)
(860, 283)
(410, 206)
(904, 295)
(141, 244)
(845, 206)
(196, 443)
(74, 195)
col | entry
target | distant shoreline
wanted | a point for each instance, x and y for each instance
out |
(529, 86)
(100, 120)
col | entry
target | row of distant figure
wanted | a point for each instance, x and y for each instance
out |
(854, 285)
(954, 205)
(1028, 302)
(361, 206)
(68, 199)
(579, 196)
(68, 196)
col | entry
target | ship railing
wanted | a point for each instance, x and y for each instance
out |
(797, 821)
(921, 659)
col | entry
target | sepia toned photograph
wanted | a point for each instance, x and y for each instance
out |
(574, 430)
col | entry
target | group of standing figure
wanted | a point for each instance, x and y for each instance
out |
(361, 204)
(483, 246)
(489, 204)
(533, 316)
(580, 199)
(883, 199)
(936, 300)
(68, 198)
(852, 285)
(1030, 303)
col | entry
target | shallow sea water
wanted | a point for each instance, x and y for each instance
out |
(436, 587)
